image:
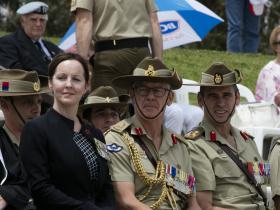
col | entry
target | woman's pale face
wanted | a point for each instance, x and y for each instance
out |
(68, 83)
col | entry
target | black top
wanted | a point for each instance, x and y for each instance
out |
(17, 50)
(57, 171)
(14, 190)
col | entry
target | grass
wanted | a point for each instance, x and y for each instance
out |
(191, 62)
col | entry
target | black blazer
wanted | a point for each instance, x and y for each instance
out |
(15, 189)
(56, 168)
(18, 51)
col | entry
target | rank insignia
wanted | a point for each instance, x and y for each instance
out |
(36, 86)
(195, 133)
(150, 72)
(246, 136)
(218, 79)
(114, 148)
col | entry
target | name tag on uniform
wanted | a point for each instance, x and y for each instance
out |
(102, 149)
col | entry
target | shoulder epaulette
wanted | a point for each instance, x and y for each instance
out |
(275, 140)
(120, 126)
(246, 135)
(195, 133)
(176, 137)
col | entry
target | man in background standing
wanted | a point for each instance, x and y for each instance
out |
(121, 31)
(243, 19)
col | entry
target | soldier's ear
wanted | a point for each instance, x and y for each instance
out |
(50, 84)
(170, 98)
(200, 99)
(237, 98)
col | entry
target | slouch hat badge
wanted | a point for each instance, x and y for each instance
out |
(218, 79)
(150, 71)
(36, 86)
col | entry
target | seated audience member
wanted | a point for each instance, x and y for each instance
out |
(268, 83)
(26, 49)
(104, 108)
(150, 166)
(228, 168)
(181, 118)
(20, 101)
(66, 159)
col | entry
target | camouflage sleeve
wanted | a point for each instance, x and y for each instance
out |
(119, 164)
(275, 170)
(202, 167)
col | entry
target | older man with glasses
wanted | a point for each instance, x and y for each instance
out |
(150, 166)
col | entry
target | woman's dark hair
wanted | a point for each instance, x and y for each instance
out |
(68, 56)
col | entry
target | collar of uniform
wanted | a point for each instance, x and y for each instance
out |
(136, 124)
(240, 141)
(167, 141)
(11, 135)
(208, 128)
(166, 136)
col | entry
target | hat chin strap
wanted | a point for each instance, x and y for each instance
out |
(230, 115)
(15, 108)
(150, 118)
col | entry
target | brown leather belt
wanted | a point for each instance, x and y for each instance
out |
(121, 44)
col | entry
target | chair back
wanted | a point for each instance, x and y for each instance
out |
(182, 94)
(246, 93)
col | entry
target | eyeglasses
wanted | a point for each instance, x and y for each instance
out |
(145, 91)
(276, 43)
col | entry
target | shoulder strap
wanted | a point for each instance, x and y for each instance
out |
(239, 163)
(147, 151)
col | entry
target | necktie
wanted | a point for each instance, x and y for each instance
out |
(44, 55)
(2, 172)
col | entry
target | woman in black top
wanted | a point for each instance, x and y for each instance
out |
(65, 159)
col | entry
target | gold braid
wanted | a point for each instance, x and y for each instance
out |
(158, 178)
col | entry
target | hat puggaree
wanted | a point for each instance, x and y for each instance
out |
(150, 70)
(105, 96)
(16, 82)
(218, 74)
